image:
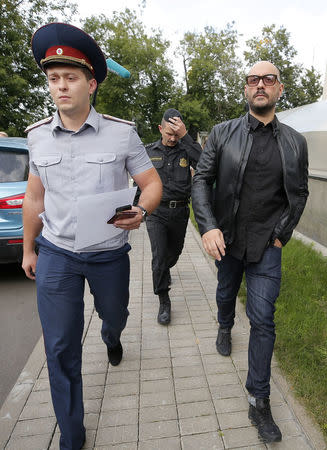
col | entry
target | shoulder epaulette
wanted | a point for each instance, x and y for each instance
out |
(39, 123)
(149, 145)
(117, 119)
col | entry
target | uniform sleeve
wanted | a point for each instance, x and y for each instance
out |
(33, 168)
(138, 160)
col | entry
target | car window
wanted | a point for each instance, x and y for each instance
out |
(13, 166)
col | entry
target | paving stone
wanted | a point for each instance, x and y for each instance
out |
(161, 444)
(41, 384)
(39, 397)
(231, 404)
(190, 383)
(91, 421)
(37, 411)
(157, 413)
(116, 418)
(39, 442)
(156, 374)
(97, 379)
(294, 443)
(92, 405)
(240, 437)
(192, 395)
(236, 419)
(185, 351)
(154, 353)
(157, 430)
(203, 441)
(195, 409)
(156, 363)
(119, 403)
(200, 424)
(123, 389)
(116, 435)
(193, 371)
(227, 391)
(156, 386)
(33, 427)
(187, 361)
(160, 398)
(129, 376)
(92, 392)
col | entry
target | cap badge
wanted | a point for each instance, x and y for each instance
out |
(59, 51)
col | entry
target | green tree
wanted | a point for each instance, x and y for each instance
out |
(142, 97)
(301, 86)
(23, 97)
(213, 75)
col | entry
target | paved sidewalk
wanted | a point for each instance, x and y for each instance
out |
(172, 390)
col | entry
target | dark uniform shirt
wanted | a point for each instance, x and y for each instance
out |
(263, 197)
(173, 166)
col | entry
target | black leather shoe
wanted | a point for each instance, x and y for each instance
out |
(224, 341)
(115, 354)
(260, 416)
(164, 310)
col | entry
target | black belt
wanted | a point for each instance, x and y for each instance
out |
(174, 203)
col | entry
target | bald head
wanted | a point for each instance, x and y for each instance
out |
(264, 67)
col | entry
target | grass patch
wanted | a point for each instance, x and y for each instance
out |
(301, 326)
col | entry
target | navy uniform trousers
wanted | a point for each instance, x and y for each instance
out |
(166, 229)
(60, 279)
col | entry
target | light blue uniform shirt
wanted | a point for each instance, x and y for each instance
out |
(95, 159)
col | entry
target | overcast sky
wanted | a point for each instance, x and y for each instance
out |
(306, 20)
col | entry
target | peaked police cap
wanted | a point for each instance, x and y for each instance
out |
(65, 44)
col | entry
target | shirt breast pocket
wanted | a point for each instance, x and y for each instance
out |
(101, 166)
(182, 170)
(49, 169)
(157, 163)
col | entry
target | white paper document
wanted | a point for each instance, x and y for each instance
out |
(93, 212)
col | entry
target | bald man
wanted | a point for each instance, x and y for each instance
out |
(260, 167)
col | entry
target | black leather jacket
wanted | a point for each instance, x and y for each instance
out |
(223, 162)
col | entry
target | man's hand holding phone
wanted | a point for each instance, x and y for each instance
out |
(127, 217)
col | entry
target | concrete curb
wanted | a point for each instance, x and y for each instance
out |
(308, 423)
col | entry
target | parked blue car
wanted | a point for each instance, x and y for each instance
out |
(13, 180)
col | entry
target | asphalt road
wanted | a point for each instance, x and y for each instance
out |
(20, 327)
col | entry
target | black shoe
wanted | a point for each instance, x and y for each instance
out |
(260, 416)
(224, 341)
(164, 310)
(115, 354)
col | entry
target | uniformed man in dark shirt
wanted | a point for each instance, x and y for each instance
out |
(259, 167)
(173, 156)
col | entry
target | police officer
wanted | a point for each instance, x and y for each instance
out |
(78, 152)
(172, 156)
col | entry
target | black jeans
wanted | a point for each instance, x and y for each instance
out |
(166, 228)
(263, 284)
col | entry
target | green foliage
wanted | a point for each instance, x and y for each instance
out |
(144, 96)
(301, 86)
(23, 97)
(213, 73)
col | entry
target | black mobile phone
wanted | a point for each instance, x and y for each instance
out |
(122, 212)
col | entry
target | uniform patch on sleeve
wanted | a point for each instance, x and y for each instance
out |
(183, 162)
